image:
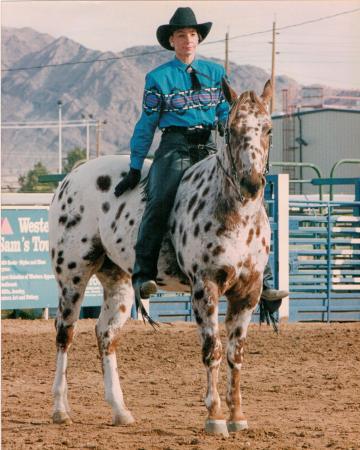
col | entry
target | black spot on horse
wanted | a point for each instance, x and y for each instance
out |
(103, 183)
(198, 319)
(127, 215)
(198, 295)
(207, 226)
(181, 228)
(200, 184)
(191, 202)
(199, 208)
(131, 222)
(60, 260)
(72, 265)
(82, 209)
(205, 191)
(63, 206)
(205, 257)
(113, 224)
(194, 267)
(84, 239)
(75, 298)
(119, 240)
(62, 334)
(208, 349)
(212, 173)
(74, 221)
(65, 315)
(52, 253)
(196, 230)
(105, 207)
(69, 200)
(177, 205)
(76, 280)
(63, 219)
(58, 269)
(210, 244)
(119, 211)
(96, 250)
(64, 291)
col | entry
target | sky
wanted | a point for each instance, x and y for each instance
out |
(326, 51)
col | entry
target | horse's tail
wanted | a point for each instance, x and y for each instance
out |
(146, 317)
(268, 314)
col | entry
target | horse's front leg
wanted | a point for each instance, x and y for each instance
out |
(237, 320)
(205, 305)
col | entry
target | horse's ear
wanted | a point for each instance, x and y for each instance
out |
(267, 92)
(230, 94)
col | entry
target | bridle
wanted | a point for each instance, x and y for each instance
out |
(233, 177)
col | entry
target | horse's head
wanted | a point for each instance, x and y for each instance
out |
(248, 136)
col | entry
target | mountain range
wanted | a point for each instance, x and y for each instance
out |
(109, 91)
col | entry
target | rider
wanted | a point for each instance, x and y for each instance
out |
(183, 98)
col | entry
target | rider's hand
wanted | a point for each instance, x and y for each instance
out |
(129, 182)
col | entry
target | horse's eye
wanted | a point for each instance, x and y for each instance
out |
(269, 131)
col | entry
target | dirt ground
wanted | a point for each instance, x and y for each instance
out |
(300, 389)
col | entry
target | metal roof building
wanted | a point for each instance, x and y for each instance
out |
(320, 137)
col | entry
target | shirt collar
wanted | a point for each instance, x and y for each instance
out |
(182, 66)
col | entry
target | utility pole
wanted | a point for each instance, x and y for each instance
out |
(99, 130)
(97, 138)
(60, 136)
(273, 53)
(227, 53)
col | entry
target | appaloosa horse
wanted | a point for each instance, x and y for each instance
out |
(217, 244)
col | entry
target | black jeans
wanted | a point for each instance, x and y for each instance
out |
(176, 153)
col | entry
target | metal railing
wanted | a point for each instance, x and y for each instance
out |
(301, 164)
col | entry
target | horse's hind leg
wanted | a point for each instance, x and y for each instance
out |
(72, 281)
(118, 299)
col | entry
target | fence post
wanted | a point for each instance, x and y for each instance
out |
(283, 241)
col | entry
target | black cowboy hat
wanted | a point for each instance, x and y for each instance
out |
(182, 18)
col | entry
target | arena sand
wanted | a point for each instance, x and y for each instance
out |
(301, 389)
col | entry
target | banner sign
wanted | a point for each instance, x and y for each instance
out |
(27, 280)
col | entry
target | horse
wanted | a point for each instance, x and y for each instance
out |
(217, 244)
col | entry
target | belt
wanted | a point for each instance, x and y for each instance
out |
(189, 131)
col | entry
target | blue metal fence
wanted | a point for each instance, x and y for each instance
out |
(324, 261)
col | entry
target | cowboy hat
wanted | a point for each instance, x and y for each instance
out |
(182, 18)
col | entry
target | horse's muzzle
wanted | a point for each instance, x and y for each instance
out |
(251, 184)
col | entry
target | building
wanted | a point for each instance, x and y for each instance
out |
(320, 137)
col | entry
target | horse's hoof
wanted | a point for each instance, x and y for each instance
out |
(61, 417)
(123, 419)
(237, 426)
(213, 426)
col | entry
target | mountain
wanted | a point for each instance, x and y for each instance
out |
(18, 42)
(110, 90)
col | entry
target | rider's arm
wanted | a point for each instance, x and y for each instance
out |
(145, 128)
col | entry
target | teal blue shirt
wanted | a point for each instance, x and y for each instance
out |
(169, 101)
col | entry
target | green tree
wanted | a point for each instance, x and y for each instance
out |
(30, 181)
(75, 155)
